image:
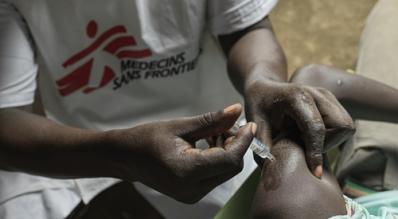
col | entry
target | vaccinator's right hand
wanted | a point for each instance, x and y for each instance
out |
(162, 155)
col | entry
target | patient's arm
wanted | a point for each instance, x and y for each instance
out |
(288, 190)
(362, 97)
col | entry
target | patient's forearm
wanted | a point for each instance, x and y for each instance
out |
(363, 98)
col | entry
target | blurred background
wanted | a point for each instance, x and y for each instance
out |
(320, 31)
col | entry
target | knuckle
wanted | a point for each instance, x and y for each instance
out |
(245, 138)
(348, 125)
(300, 94)
(297, 90)
(316, 155)
(325, 91)
(207, 119)
(314, 150)
(345, 125)
(318, 128)
(315, 158)
(315, 145)
(328, 94)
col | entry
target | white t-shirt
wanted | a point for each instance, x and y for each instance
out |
(115, 64)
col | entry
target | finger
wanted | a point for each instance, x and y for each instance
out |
(211, 140)
(220, 160)
(309, 121)
(346, 119)
(200, 164)
(264, 134)
(244, 137)
(209, 124)
(264, 131)
(229, 139)
(333, 113)
(338, 123)
(239, 145)
(220, 141)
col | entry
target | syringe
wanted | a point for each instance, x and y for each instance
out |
(256, 145)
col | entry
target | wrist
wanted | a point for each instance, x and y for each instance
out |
(93, 154)
(121, 153)
(263, 85)
(261, 74)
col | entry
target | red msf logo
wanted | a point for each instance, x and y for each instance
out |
(79, 76)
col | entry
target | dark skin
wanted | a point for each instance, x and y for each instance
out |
(257, 68)
(359, 95)
(32, 143)
(121, 201)
(286, 187)
(164, 148)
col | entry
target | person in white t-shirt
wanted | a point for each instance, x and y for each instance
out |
(114, 74)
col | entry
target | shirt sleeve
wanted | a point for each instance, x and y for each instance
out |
(18, 68)
(228, 16)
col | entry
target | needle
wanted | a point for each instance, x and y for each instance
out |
(256, 145)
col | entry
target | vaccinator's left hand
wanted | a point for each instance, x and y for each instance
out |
(276, 106)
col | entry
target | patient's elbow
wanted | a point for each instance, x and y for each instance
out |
(311, 74)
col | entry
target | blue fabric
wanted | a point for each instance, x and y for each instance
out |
(382, 205)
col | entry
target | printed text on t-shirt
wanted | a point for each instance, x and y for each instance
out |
(115, 45)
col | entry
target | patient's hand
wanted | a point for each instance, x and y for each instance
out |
(289, 190)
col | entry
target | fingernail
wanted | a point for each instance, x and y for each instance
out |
(233, 108)
(319, 171)
(254, 127)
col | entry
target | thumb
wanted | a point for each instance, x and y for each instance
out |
(264, 131)
(210, 124)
